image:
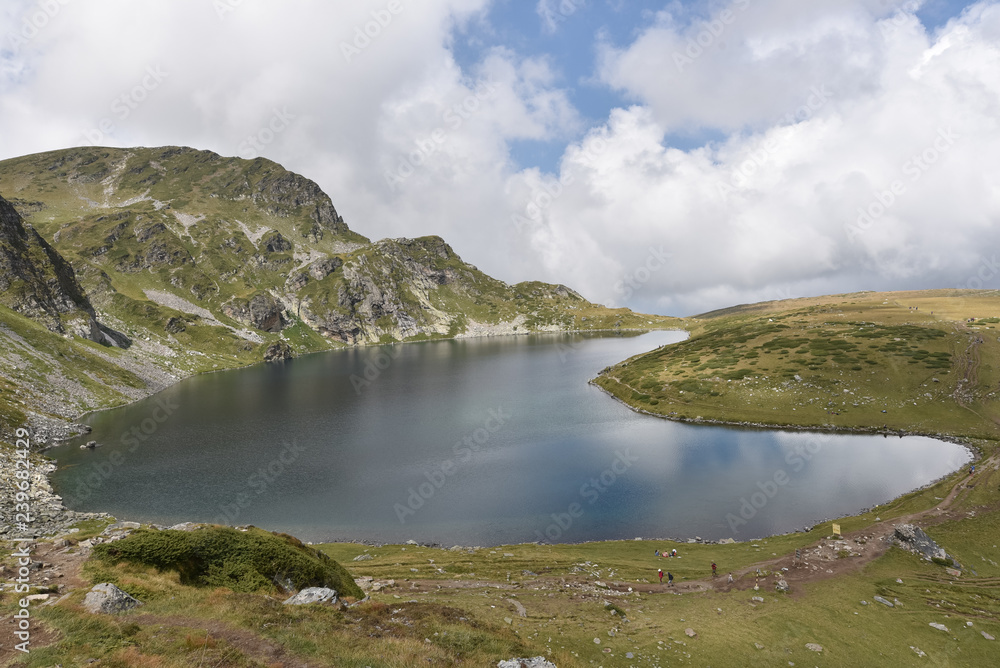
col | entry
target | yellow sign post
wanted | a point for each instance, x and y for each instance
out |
(836, 529)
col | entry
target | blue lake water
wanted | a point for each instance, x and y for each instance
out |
(472, 442)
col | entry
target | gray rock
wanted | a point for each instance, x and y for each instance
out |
(987, 635)
(939, 627)
(879, 599)
(363, 557)
(912, 538)
(782, 586)
(185, 526)
(813, 647)
(690, 633)
(175, 326)
(108, 599)
(536, 662)
(278, 352)
(313, 595)
(323, 268)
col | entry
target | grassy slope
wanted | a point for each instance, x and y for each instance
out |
(867, 361)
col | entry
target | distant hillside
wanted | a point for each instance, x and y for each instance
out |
(170, 240)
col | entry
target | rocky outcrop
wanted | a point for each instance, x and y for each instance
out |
(37, 282)
(108, 599)
(278, 352)
(323, 268)
(913, 539)
(275, 243)
(262, 312)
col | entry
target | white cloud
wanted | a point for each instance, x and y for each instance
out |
(907, 108)
(821, 106)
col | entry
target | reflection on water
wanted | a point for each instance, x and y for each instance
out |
(469, 442)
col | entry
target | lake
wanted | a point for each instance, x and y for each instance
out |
(472, 442)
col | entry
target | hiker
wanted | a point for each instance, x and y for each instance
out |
(660, 573)
(730, 578)
(673, 552)
(972, 471)
(714, 574)
(670, 579)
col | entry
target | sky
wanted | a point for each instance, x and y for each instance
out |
(672, 157)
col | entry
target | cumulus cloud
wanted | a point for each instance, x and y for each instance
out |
(876, 166)
(855, 149)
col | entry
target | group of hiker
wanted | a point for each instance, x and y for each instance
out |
(670, 576)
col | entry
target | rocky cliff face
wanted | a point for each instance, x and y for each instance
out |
(37, 282)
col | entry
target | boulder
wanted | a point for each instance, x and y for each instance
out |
(813, 647)
(939, 627)
(108, 599)
(536, 662)
(912, 538)
(782, 586)
(313, 595)
(879, 599)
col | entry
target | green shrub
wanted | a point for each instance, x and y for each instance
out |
(225, 557)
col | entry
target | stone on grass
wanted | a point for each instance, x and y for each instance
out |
(813, 647)
(536, 662)
(939, 627)
(313, 595)
(782, 586)
(879, 599)
(108, 599)
(987, 635)
(690, 633)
